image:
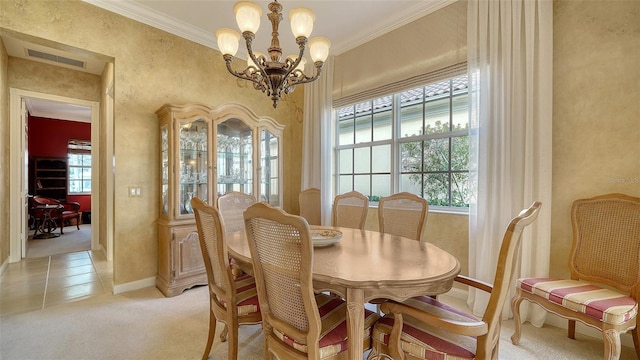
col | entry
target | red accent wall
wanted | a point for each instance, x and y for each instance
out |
(50, 137)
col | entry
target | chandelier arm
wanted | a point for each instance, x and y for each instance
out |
(302, 42)
(239, 74)
(307, 79)
(248, 37)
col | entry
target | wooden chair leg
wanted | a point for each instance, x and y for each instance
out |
(611, 344)
(212, 335)
(571, 329)
(233, 342)
(225, 332)
(515, 309)
(78, 222)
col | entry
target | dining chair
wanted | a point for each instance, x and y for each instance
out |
(403, 214)
(350, 210)
(297, 323)
(425, 328)
(232, 300)
(231, 206)
(309, 201)
(605, 273)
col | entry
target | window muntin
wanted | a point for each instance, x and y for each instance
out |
(414, 141)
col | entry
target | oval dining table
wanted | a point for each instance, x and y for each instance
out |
(366, 265)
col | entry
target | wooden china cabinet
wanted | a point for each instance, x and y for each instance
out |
(207, 152)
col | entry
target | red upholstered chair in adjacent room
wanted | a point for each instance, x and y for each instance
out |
(70, 211)
(425, 328)
(605, 256)
(232, 300)
(297, 323)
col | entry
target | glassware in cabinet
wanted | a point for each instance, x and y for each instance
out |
(234, 157)
(193, 167)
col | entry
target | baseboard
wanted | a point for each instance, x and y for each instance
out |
(134, 285)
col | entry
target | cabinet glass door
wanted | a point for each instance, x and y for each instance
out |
(164, 134)
(269, 187)
(235, 157)
(193, 164)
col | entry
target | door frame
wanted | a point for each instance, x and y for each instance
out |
(18, 169)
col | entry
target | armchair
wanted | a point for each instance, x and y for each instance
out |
(58, 211)
(70, 210)
(603, 290)
(425, 328)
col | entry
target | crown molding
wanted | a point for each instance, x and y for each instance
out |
(393, 22)
(158, 20)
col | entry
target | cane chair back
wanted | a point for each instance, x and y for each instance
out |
(309, 201)
(403, 214)
(424, 328)
(350, 210)
(231, 206)
(233, 301)
(605, 255)
(282, 255)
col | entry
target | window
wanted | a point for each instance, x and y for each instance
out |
(79, 154)
(415, 141)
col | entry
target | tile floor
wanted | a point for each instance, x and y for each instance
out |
(33, 284)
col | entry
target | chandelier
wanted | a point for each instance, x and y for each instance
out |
(271, 74)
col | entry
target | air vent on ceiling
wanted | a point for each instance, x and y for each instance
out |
(55, 58)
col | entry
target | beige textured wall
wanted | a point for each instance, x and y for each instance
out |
(151, 68)
(55, 80)
(4, 154)
(596, 109)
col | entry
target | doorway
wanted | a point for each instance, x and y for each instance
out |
(59, 157)
(20, 171)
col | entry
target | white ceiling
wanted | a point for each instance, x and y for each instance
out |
(346, 23)
(57, 110)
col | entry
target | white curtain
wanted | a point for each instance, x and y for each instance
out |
(317, 138)
(510, 46)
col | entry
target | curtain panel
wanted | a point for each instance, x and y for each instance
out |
(317, 138)
(510, 48)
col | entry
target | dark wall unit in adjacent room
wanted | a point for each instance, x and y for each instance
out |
(50, 177)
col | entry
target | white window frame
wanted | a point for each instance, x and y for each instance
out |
(395, 143)
(78, 148)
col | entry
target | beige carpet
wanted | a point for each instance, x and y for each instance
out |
(144, 324)
(72, 240)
